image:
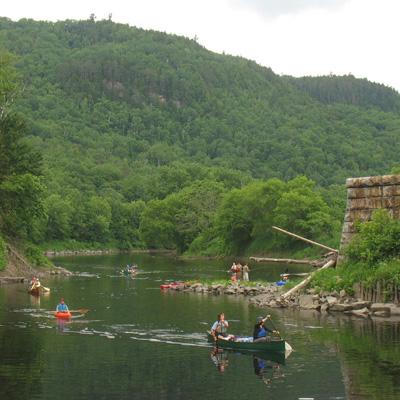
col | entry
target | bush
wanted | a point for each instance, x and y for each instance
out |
(36, 257)
(376, 240)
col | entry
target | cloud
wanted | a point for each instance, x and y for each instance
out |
(275, 8)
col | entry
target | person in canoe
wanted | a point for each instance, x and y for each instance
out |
(261, 332)
(62, 307)
(34, 286)
(220, 327)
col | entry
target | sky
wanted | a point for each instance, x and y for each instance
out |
(293, 37)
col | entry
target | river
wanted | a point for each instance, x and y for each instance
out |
(138, 342)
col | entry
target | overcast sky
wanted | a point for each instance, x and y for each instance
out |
(293, 37)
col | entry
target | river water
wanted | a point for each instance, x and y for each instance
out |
(138, 342)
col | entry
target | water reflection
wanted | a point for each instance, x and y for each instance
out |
(220, 359)
(267, 366)
(267, 370)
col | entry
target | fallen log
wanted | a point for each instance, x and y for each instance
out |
(282, 260)
(12, 279)
(305, 240)
(305, 282)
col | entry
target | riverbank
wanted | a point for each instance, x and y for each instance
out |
(18, 269)
(93, 252)
(269, 295)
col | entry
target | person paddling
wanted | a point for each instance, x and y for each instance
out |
(220, 327)
(62, 307)
(260, 333)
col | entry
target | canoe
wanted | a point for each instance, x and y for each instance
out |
(237, 344)
(35, 291)
(63, 315)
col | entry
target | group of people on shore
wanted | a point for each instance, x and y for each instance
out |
(261, 333)
(239, 272)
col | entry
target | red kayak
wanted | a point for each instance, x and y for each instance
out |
(172, 285)
(63, 315)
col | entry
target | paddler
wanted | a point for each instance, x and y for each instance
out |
(220, 327)
(62, 307)
(261, 332)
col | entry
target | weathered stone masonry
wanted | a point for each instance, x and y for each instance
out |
(365, 195)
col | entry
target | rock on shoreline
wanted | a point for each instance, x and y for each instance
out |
(331, 302)
(269, 296)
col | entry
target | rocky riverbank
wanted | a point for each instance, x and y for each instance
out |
(220, 289)
(269, 295)
(329, 302)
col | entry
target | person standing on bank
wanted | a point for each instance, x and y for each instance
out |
(245, 272)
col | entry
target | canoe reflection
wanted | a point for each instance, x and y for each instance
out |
(267, 366)
(267, 370)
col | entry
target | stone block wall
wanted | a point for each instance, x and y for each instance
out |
(365, 195)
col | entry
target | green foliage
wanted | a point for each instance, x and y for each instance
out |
(376, 240)
(35, 256)
(373, 256)
(3, 254)
(247, 215)
(128, 120)
(21, 188)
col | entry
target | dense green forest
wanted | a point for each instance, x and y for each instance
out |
(151, 140)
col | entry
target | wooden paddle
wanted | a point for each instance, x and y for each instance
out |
(80, 310)
(273, 326)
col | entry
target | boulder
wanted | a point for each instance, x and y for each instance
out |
(394, 309)
(377, 307)
(359, 305)
(306, 302)
(324, 307)
(229, 291)
(331, 300)
(342, 293)
(340, 307)
(361, 312)
(381, 313)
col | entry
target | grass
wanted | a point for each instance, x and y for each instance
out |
(346, 275)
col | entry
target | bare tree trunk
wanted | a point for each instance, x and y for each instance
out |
(305, 282)
(304, 239)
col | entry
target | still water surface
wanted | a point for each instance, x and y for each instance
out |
(138, 342)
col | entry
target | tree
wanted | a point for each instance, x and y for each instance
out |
(21, 189)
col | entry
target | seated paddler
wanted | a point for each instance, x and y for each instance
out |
(261, 333)
(220, 327)
(62, 307)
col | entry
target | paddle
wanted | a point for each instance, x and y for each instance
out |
(273, 325)
(80, 310)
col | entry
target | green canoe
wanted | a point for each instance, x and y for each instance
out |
(274, 344)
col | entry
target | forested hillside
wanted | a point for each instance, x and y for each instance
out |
(149, 139)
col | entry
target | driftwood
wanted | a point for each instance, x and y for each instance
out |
(282, 260)
(12, 279)
(305, 282)
(304, 239)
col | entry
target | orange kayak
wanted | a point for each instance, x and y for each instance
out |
(65, 315)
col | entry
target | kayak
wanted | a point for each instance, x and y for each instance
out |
(246, 343)
(64, 315)
(172, 285)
